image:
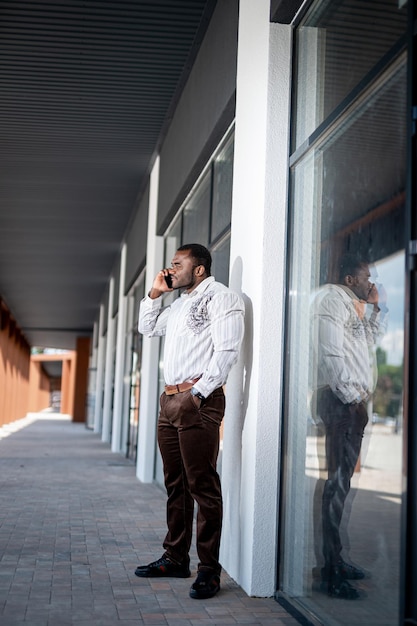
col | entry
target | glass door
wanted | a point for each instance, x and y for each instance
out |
(343, 449)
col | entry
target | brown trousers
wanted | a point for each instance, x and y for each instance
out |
(188, 439)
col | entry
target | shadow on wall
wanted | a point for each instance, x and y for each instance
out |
(237, 395)
(243, 369)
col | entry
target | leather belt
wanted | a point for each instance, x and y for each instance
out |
(171, 389)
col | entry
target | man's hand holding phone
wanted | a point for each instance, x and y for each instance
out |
(373, 295)
(161, 284)
(378, 296)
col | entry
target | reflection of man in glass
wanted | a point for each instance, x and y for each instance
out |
(343, 336)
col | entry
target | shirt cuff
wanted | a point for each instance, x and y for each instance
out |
(154, 303)
(201, 388)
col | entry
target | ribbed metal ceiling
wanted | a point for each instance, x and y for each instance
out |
(86, 88)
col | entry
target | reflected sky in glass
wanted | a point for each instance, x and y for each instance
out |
(391, 274)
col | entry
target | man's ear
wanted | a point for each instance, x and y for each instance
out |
(200, 270)
(348, 280)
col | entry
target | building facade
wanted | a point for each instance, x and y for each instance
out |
(290, 145)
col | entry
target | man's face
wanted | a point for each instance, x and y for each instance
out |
(184, 271)
(360, 284)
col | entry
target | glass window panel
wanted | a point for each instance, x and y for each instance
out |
(173, 240)
(197, 213)
(348, 195)
(338, 44)
(171, 244)
(221, 261)
(133, 371)
(222, 190)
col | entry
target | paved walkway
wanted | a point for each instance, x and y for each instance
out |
(75, 522)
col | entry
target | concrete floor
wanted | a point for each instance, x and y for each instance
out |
(74, 524)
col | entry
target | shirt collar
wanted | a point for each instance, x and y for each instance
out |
(200, 288)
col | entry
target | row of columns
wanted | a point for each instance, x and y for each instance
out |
(26, 387)
(108, 359)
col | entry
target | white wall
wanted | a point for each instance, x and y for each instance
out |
(258, 253)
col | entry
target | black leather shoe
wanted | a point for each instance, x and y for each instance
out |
(206, 585)
(336, 585)
(346, 571)
(163, 567)
(342, 590)
(350, 572)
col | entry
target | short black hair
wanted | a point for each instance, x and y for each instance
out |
(350, 264)
(200, 254)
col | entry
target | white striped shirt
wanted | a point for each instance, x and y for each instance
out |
(203, 331)
(343, 340)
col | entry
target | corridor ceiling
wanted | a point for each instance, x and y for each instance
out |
(87, 88)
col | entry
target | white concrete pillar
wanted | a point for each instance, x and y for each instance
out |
(101, 353)
(119, 392)
(108, 372)
(148, 409)
(251, 446)
(94, 347)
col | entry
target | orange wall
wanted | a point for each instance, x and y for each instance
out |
(81, 379)
(24, 384)
(14, 369)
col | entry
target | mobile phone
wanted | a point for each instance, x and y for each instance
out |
(168, 280)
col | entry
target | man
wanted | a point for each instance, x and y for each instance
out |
(203, 330)
(343, 336)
